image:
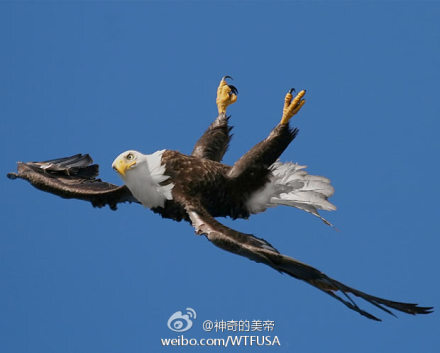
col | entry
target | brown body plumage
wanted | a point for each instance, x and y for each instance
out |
(222, 190)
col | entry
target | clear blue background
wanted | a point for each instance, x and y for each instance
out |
(104, 77)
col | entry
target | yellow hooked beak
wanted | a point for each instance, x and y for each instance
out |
(121, 165)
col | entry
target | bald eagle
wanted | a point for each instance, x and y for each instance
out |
(197, 188)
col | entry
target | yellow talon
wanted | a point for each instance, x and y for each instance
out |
(292, 106)
(225, 96)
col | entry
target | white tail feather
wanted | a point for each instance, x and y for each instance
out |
(290, 185)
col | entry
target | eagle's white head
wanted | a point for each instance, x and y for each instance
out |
(143, 175)
(127, 162)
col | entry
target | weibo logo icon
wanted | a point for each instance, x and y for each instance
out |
(180, 322)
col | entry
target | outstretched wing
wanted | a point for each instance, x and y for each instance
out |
(214, 143)
(73, 177)
(259, 250)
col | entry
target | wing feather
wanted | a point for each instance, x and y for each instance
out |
(260, 250)
(73, 177)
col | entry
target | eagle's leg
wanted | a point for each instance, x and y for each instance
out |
(215, 140)
(226, 95)
(292, 105)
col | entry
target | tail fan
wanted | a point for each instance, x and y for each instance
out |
(291, 185)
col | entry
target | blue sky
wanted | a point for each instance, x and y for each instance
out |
(104, 77)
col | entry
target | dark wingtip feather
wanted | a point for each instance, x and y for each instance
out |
(79, 161)
(383, 304)
(350, 304)
(422, 309)
(293, 132)
(12, 176)
(69, 160)
(79, 165)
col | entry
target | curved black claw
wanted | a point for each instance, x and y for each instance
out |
(292, 90)
(234, 89)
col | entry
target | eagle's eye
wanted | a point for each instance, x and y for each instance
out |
(130, 156)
